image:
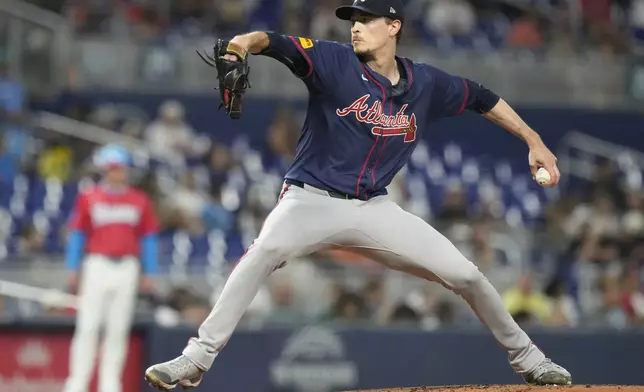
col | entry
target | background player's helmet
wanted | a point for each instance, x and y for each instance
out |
(390, 8)
(112, 155)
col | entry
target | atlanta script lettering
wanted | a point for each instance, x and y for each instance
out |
(399, 124)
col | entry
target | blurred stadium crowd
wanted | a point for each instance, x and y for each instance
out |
(565, 26)
(560, 259)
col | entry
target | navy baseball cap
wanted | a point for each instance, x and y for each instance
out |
(390, 8)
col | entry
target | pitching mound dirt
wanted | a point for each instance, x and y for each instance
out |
(514, 388)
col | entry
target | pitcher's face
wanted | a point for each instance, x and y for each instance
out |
(370, 33)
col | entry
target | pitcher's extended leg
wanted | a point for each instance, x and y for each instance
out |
(297, 225)
(413, 246)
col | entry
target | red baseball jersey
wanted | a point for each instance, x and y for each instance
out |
(114, 222)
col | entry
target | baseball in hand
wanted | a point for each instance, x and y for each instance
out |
(542, 176)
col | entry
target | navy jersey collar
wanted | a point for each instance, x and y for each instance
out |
(404, 67)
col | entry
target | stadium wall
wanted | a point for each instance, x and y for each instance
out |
(320, 358)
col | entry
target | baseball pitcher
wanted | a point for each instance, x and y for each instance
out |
(114, 233)
(367, 109)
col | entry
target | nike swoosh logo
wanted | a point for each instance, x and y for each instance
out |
(364, 78)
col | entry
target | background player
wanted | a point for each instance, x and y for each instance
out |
(113, 224)
(365, 109)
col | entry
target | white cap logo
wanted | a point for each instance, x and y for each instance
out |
(391, 9)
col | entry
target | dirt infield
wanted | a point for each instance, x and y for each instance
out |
(515, 388)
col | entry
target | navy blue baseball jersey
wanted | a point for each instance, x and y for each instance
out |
(360, 130)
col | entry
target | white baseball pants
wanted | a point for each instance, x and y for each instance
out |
(107, 298)
(306, 220)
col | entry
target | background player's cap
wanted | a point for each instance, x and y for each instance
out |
(111, 155)
(389, 8)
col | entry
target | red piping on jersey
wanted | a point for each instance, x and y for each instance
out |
(467, 96)
(306, 56)
(364, 167)
(366, 161)
(382, 150)
(409, 74)
(373, 169)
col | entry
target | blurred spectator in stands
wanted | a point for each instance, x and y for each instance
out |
(191, 17)
(56, 161)
(9, 165)
(454, 207)
(195, 210)
(281, 140)
(220, 163)
(325, 25)
(195, 311)
(169, 135)
(565, 311)
(451, 17)
(78, 112)
(149, 184)
(283, 310)
(524, 301)
(92, 17)
(430, 304)
(216, 216)
(612, 311)
(146, 22)
(12, 105)
(557, 215)
(131, 19)
(188, 203)
(600, 231)
(490, 209)
(632, 228)
(376, 305)
(607, 180)
(633, 296)
(595, 219)
(82, 149)
(499, 260)
(105, 116)
(232, 16)
(597, 17)
(224, 196)
(423, 303)
(349, 308)
(594, 229)
(12, 96)
(562, 36)
(292, 21)
(525, 32)
(636, 20)
(481, 251)
(182, 305)
(405, 316)
(595, 252)
(32, 241)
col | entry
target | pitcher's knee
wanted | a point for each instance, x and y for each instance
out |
(467, 279)
(269, 252)
(273, 247)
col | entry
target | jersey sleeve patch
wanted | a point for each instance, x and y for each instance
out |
(306, 43)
